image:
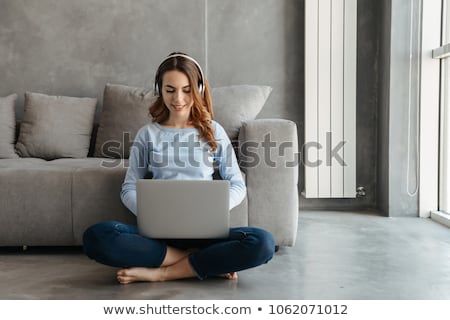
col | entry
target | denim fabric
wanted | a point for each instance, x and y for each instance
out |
(120, 245)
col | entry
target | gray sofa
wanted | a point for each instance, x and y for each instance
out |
(50, 202)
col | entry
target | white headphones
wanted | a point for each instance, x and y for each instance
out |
(201, 87)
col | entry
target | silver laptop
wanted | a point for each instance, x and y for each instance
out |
(183, 209)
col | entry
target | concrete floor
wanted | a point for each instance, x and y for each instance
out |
(337, 256)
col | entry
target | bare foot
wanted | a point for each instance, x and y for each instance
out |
(126, 276)
(179, 270)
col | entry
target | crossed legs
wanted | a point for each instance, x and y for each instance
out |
(143, 259)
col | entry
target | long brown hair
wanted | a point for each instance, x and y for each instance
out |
(202, 109)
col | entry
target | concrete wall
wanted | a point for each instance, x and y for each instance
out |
(66, 47)
(75, 47)
(400, 158)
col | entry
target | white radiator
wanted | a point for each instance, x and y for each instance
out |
(330, 98)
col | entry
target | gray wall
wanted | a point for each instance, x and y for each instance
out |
(399, 109)
(66, 47)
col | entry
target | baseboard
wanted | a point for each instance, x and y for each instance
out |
(441, 217)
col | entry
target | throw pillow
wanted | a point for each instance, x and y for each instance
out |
(56, 126)
(7, 127)
(125, 111)
(234, 105)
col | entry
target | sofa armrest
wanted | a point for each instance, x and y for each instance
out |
(268, 154)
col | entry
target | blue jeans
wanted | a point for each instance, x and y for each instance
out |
(119, 245)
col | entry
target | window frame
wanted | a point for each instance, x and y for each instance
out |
(430, 108)
(441, 56)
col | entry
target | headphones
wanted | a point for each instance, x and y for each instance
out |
(201, 87)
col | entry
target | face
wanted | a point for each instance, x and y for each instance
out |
(176, 93)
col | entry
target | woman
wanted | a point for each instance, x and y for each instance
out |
(182, 112)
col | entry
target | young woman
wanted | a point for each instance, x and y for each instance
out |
(182, 112)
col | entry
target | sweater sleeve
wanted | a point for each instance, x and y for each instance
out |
(228, 166)
(137, 169)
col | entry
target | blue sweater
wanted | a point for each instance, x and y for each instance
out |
(178, 154)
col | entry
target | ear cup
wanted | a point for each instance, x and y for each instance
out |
(201, 89)
(156, 91)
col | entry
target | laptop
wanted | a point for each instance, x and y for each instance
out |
(183, 209)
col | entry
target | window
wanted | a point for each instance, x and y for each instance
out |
(443, 53)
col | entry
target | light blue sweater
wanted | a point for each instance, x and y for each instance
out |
(178, 154)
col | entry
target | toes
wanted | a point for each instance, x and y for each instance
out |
(124, 280)
(230, 276)
(233, 275)
(122, 272)
(120, 278)
(124, 277)
(137, 274)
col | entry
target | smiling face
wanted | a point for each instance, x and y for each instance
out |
(177, 95)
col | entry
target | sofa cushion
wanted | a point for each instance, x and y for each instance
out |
(56, 126)
(234, 105)
(125, 111)
(7, 126)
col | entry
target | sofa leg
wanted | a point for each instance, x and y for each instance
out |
(277, 248)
